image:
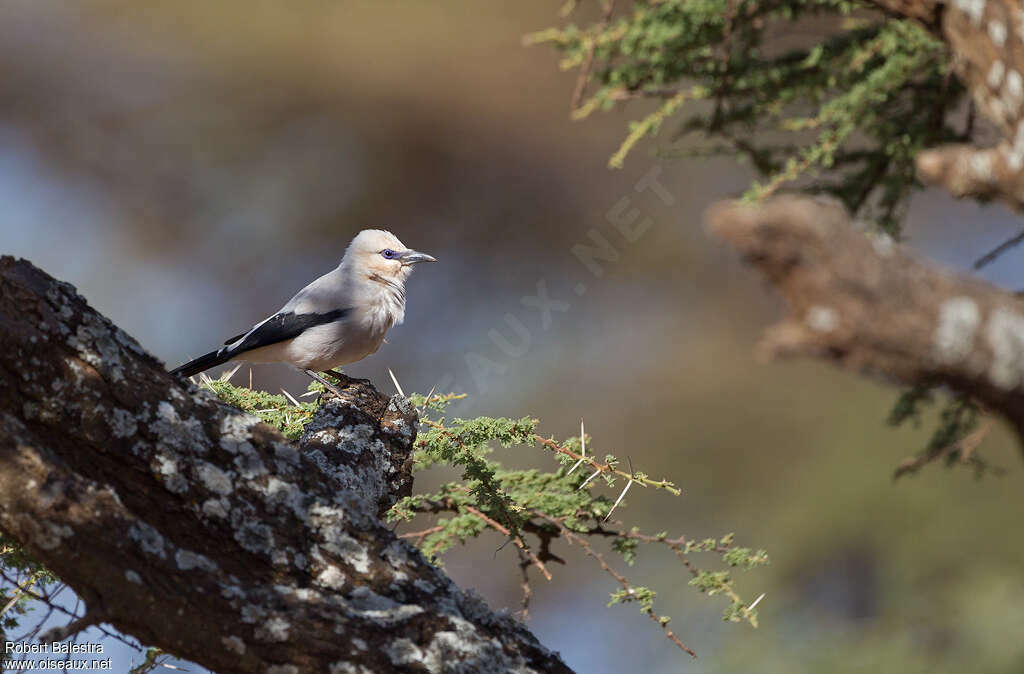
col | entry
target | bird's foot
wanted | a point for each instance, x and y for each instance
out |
(345, 379)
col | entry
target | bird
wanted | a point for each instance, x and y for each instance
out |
(338, 319)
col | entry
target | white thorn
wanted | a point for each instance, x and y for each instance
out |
(596, 472)
(756, 601)
(583, 439)
(619, 500)
(427, 399)
(226, 376)
(290, 397)
(583, 450)
(397, 385)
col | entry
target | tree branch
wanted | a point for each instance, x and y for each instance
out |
(192, 526)
(868, 304)
(986, 38)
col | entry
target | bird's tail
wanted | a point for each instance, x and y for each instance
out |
(201, 363)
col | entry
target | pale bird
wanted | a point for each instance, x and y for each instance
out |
(340, 318)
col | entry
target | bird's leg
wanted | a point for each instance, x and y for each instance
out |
(328, 385)
(341, 376)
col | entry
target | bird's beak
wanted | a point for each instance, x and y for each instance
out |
(414, 256)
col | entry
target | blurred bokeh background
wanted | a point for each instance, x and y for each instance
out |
(190, 165)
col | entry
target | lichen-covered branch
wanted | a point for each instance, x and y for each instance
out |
(192, 526)
(868, 304)
(986, 38)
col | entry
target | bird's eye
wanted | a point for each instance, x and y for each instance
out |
(389, 254)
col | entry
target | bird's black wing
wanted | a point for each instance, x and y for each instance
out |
(277, 328)
(282, 326)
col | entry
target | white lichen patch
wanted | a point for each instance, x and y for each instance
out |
(274, 629)
(122, 423)
(359, 644)
(822, 319)
(958, 322)
(132, 577)
(77, 371)
(980, 164)
(997, 32)
(348, 548)
(404, 652)
(331, 577)
(255, 537)
(184, 435)
(1015, 155)
(278, 492)
(216, 507)
(303, 594)
(1005, 334)
(249, 465)
(369, 605)
(214, 479)
(996, 73)
(286, 454)
(50, 535)
(233, 591)
(1013, 91)
(233, 644)
(94, 345)
(975, 9)
(324, 514)
(252, 613)
(148, 538)
(165, 465)
(882, 243)
(342, 667)
(188, 560)
(424, 586)
(235, 433)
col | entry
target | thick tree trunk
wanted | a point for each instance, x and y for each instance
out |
(192, 526)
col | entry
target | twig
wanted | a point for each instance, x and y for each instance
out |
(991, 256)
(571, 536)
(420, 535)
(604, 468)
(588, 62)
(61, 633)
(524, 567)
(515, 539)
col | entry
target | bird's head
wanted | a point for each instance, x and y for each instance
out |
(375, 252)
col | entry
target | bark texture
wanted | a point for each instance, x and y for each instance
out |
(868, 304)
(196, 528)
(986, 38)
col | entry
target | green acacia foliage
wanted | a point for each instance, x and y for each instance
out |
(21, 579)
(822, 94)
